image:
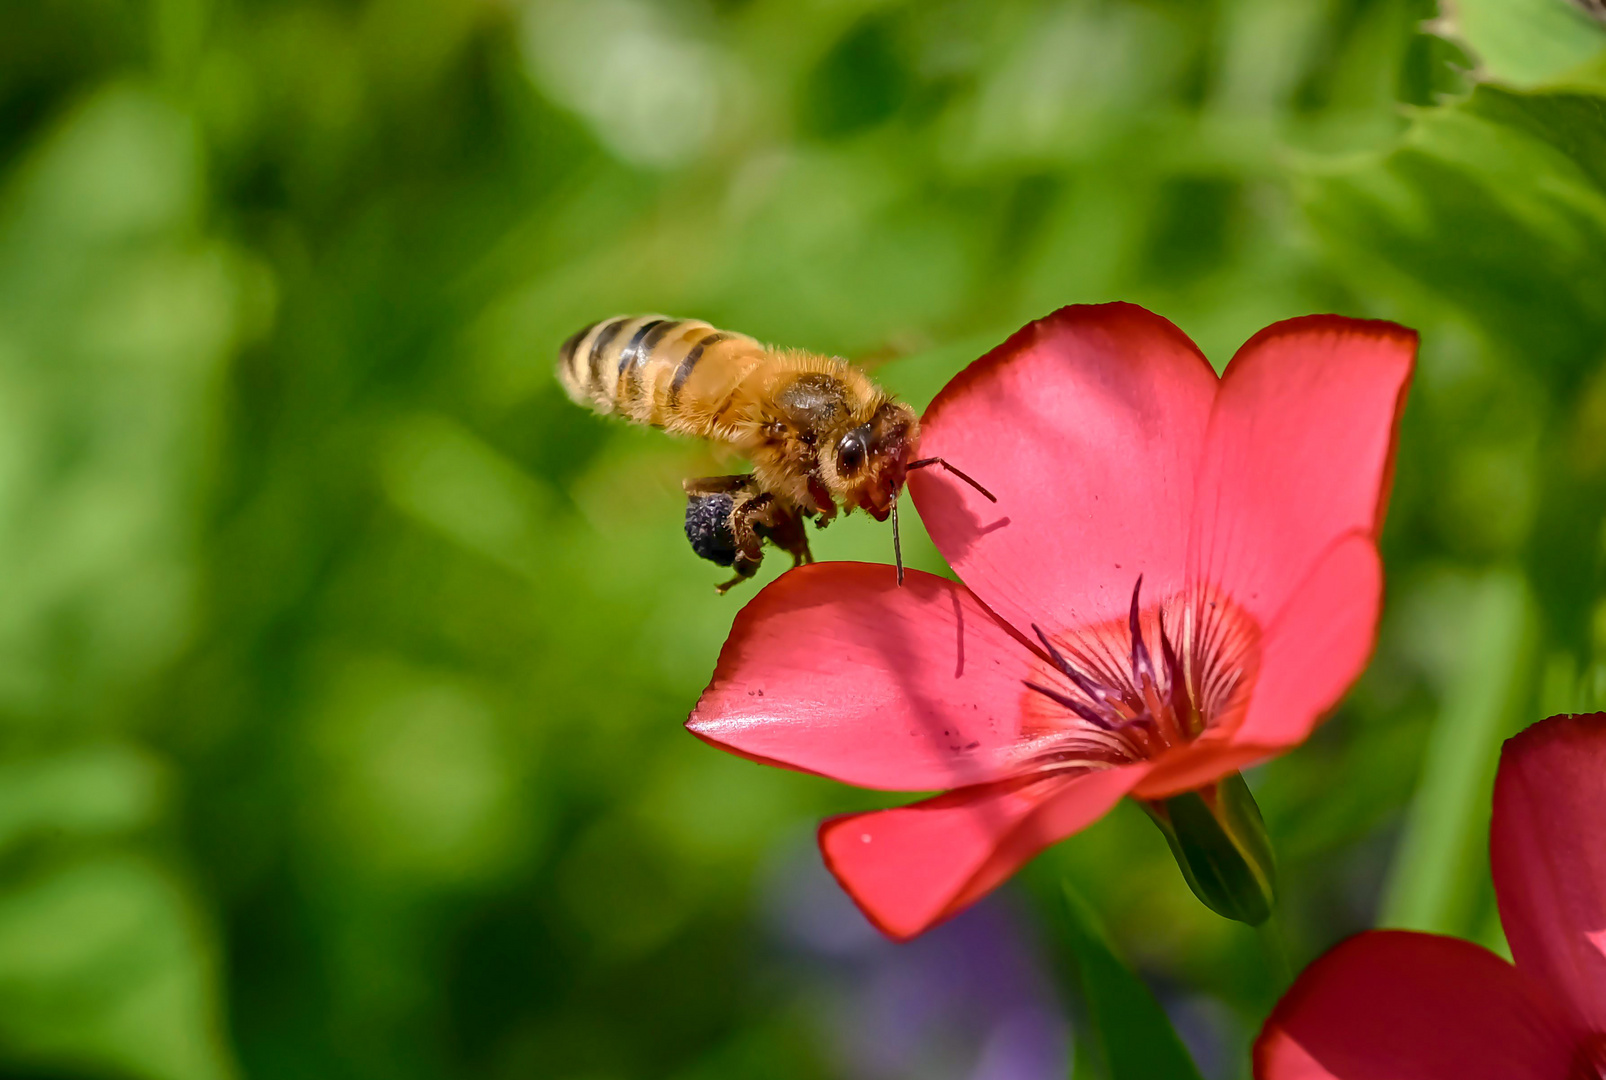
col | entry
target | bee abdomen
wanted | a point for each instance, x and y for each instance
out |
(585, 357)
(650, 369)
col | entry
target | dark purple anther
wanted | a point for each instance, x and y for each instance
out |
(1173, 670)
(1083, 683)
(1084, 711)
(1142, 665)
(1168, 655)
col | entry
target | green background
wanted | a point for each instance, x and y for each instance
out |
(343, 659)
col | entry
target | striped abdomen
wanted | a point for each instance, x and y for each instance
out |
(670, 373)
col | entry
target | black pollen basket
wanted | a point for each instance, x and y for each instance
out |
(708, 527)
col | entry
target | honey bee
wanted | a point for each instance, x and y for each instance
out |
(819, 433)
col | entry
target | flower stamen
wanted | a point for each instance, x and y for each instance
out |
(1142, 665)
(1083, 683)
(1075, 706)
(1131, 708)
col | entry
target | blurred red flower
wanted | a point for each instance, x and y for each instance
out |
(1180, 577)
(1399, 1005)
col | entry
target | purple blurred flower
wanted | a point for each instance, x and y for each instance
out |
(966, 1001)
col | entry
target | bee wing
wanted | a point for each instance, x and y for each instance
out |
(896, 346)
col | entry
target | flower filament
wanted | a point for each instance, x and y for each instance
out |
(1122, 705)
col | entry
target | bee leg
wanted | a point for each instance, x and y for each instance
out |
(717, 526)
(728, 523)
(822, 499)
(718, 485)
(764, 518)
(784, 529)
(742, 574)
(724, 531)
(749, 526)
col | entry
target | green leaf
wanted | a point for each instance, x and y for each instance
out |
(104, 965)
(1524, 42)
(1131, 1029)
(1572, 121)
(100, 790)
(1496, 205)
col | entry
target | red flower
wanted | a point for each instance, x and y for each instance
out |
(1398, 1005)
(1179, 577)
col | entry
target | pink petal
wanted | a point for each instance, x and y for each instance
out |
(1317, 645)
(1311, 653)
(834, 669)
(1088, 426)
(1193, 765)
(1547, 848)
(912, 867)
(1398, 1005)
(1301, 451)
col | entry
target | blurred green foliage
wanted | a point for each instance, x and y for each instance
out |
(1128, 1036)
(342, 659)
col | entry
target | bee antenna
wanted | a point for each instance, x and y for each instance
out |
(897, 546)
(923, 462)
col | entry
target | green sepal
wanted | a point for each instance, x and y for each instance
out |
(1220, 843)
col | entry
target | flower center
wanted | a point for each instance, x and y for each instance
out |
(1105, 697)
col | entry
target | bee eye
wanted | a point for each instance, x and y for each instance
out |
(850, 453)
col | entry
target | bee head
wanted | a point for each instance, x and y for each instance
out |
(869, 462)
